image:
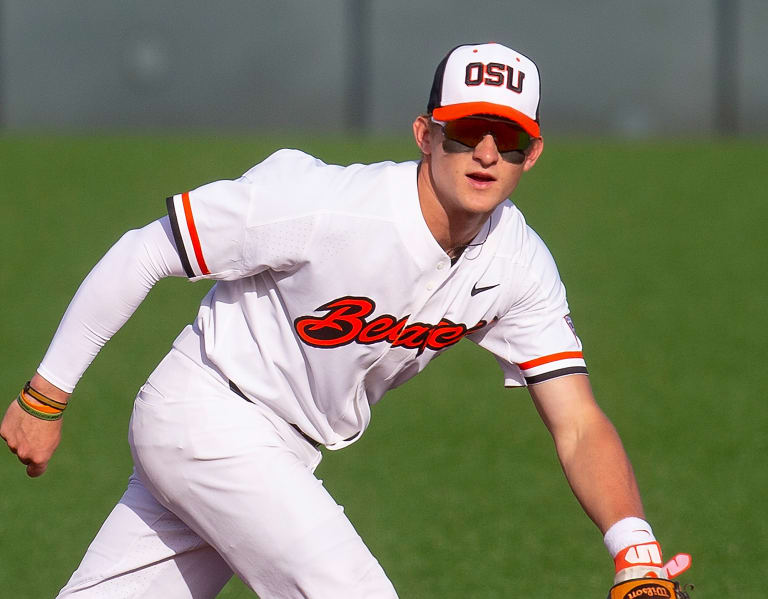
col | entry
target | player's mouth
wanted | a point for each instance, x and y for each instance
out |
(480, 179)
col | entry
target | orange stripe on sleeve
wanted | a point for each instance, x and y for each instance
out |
(566, 355)
(193, 234)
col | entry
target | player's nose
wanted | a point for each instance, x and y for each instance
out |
(486, 151)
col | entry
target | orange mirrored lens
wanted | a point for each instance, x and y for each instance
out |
(471, 131)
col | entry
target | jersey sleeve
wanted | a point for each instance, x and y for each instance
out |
(534, 339)
(232, 229)
(209, 228)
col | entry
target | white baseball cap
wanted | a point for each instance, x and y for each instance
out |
(487, 79)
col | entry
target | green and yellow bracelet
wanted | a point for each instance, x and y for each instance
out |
(50, 408)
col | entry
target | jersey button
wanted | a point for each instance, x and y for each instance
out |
(440, 265)
(430, 286)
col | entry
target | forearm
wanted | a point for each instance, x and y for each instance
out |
(106, 299)
(589, 449)
(600, 474)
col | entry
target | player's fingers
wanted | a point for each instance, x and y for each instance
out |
(4, 436)
(35, 470)
(34, 467)
(12, 445)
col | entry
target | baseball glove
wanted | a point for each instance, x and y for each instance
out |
(648, 588)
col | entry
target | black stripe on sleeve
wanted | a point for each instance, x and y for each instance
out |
(177, 237)
(540, 378)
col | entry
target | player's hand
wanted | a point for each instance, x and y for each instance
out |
(641, 572)
(31, 439)
(644, 561)
(639, 561)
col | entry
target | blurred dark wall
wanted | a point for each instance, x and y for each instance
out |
(650, 68)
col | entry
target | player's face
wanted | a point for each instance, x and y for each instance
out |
(474, 163)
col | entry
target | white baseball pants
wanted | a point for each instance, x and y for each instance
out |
(222, 486)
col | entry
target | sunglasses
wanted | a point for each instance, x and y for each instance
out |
(462, 135)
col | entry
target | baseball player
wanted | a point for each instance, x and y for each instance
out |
(333, 285)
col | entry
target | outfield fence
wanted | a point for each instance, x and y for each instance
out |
(637, 69)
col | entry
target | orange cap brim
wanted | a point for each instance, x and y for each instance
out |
(458, 111)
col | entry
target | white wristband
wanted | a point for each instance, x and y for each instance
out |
(626, 532)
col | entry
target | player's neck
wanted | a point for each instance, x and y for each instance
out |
(453, 230)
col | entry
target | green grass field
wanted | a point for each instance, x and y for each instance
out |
(455, 487)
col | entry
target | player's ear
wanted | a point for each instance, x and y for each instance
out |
(421, 130)
(533, 153)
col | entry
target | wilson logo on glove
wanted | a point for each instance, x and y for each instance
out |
(649, 590)
(644, 588)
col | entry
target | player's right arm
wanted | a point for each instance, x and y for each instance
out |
(106, 299)
(213, 232)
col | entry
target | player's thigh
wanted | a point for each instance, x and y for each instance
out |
(282, 532)
(144, 550)
(249, 490)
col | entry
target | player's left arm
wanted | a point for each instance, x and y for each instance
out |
(601, 476)
(589, 449)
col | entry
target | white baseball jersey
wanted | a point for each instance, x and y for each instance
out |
(331, 290)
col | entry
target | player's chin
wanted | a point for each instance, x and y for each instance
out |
(483, 200)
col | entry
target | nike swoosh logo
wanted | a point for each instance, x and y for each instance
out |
(476, 289)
